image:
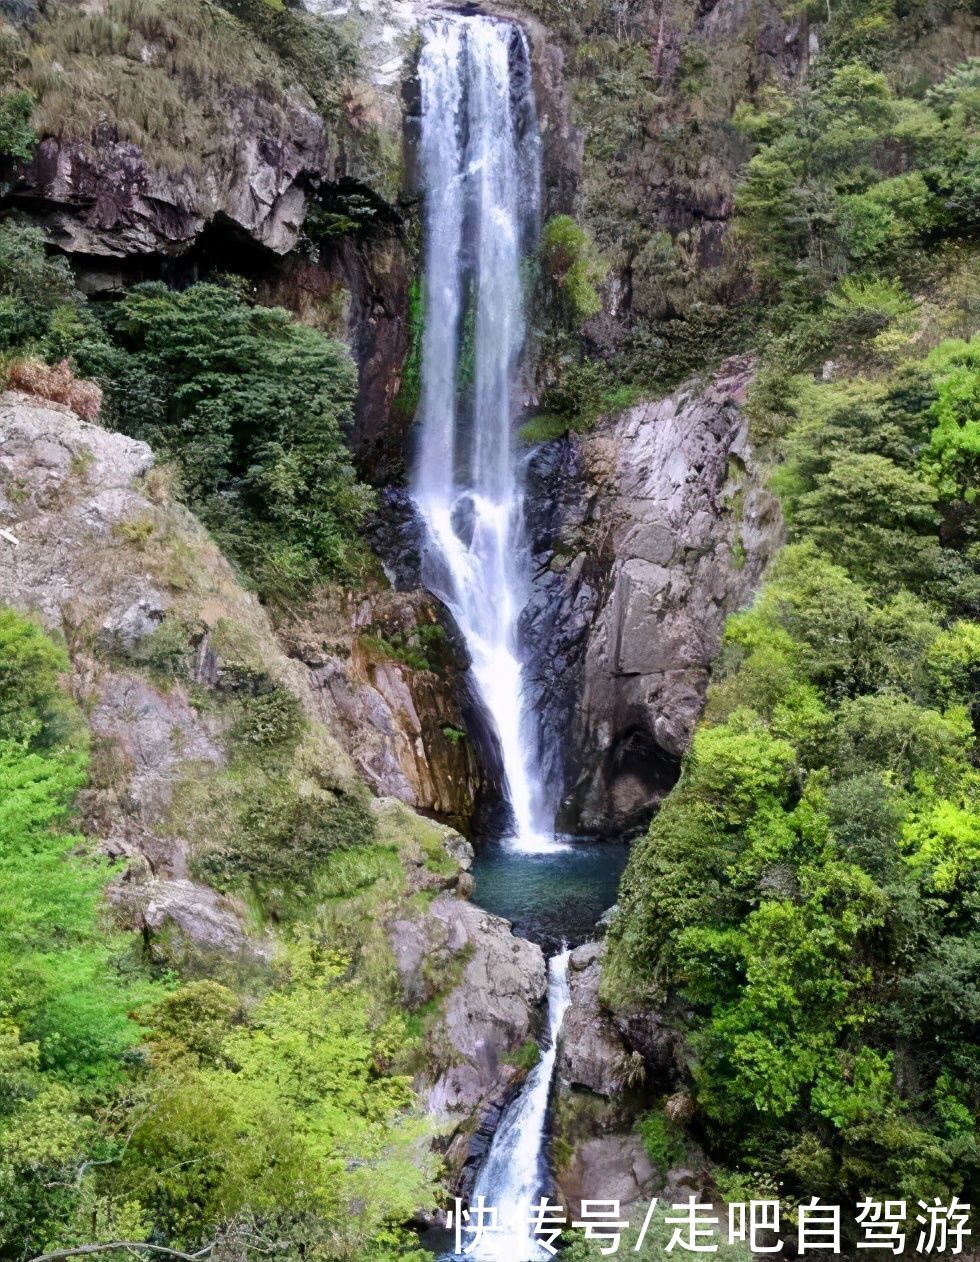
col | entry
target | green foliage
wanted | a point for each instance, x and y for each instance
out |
(252, 407)
(268, 829)
(321, 54)
(423, 647)
(66, 985)
(34, 713)
(525, 1057)
(17, 136)
(821, 194)
(579, 395)
(572, 268)
(39, 306)
(238, 1114)
(953, 457)
(287, 1112)
(812, 877)
(662, 1140)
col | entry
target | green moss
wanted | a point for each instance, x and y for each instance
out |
(576, 398)
(420, 648)
(410, 387)
(524, 1057)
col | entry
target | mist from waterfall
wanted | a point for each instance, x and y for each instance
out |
(480, 161)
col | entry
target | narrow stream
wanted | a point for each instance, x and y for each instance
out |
(515, 1171)
(480, 154)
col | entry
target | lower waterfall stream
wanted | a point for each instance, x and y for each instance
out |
(514, 1173)
(480, 157)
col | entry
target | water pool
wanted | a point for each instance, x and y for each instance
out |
(550, 898)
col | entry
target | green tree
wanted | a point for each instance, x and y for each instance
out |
(254, 408)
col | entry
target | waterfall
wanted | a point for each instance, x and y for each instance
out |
(480, 161)
(513, 1175)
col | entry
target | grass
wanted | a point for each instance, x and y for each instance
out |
(174, 76)
(524, 1057)
(547, 427)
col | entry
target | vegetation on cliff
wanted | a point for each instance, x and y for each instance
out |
(251, 406)
(271, 1116)
(171, 78)
(803, 905)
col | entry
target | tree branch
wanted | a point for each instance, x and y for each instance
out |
(84, 1249)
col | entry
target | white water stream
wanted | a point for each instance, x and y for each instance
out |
(514, 1176)
(480, 159)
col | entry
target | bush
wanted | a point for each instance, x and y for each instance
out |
(253, 409)
(572, 267)
(662, 1140)
(17, 136)
(57, 383)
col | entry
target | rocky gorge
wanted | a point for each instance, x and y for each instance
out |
(315, 761)
(645, 534)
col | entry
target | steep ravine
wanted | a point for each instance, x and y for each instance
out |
(646, 532)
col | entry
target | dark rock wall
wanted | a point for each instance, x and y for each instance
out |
(646, 534)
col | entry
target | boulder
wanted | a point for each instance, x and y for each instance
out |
(610, 1167)
(493, 1010)
(188, 915)
(592, 1055)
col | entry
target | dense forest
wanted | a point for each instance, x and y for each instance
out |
(802, 911)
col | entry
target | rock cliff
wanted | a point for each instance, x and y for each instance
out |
(105, 199)
(164, 646)
(389, 678)
(647, 532)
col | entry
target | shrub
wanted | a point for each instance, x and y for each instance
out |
(571, 265)
(253, 408)
(58, 383)
(662, 1140)
(17, 136)
(887, 218)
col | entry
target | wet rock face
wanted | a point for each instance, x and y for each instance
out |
(647, 533)
(389, 680)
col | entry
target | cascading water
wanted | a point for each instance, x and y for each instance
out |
(513, 1175)
(480, 154)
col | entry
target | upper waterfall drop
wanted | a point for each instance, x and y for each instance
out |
(481, 167)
